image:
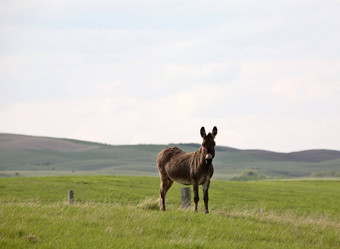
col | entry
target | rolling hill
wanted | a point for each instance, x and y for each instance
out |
(31, 155)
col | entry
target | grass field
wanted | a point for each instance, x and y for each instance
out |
(122, 212)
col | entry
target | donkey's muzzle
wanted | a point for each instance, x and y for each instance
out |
(208, 158)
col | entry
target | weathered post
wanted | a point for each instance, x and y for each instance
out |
(186, 197)
(71, 197)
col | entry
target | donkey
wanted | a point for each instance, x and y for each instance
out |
(188, 168)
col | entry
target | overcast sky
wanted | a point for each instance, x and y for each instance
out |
(266, 73)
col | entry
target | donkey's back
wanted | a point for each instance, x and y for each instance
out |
(165, 155)
(173, 165)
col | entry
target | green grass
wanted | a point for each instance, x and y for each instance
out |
(122, 212)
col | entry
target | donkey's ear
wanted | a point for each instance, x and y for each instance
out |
(203, 134)
(214, 131)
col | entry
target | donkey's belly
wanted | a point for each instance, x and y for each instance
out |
(181, 176)
(183, 181)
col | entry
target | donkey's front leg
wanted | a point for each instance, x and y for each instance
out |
(196, 198)
(206, 196)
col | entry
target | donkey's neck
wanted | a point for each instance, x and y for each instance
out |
(201, 155)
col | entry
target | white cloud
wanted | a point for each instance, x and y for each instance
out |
(266, 74)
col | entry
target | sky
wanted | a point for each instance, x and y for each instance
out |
(266, 73)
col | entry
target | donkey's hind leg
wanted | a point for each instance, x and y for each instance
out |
(166, 183)
(162, 193)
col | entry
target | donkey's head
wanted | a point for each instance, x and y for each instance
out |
(208, 144)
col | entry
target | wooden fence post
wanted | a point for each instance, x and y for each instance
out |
(71, 197)
(186, 197)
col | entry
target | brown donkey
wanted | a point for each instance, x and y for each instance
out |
(188, 168)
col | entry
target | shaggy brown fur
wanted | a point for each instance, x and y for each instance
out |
(188, 168)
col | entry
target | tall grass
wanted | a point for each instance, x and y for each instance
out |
(122, 212)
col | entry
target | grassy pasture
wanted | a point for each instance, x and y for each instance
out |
(122, 212)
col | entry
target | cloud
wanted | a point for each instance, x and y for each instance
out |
(267, 74)
(174, 118)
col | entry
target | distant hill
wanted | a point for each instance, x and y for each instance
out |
(32, 155)
(11, 141)
(311, 156)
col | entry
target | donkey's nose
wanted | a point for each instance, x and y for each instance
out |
(208, 158)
